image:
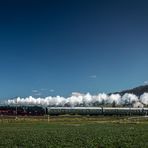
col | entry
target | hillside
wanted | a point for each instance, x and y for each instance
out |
(137, 90)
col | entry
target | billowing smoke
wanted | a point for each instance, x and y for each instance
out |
(79, 99)
(144, 98)
(129, 98)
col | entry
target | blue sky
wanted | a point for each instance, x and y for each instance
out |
(59, 47)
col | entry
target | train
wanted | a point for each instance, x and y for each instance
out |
(56, 111)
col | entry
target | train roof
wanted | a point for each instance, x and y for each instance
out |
(93, 108)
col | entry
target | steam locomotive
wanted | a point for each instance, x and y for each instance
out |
(22, 110)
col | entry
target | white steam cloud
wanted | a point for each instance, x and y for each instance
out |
(79, 99)
(144, 98)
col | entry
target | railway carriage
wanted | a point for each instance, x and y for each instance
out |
(107, 111)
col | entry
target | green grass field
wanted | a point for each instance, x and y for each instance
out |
(77, 132)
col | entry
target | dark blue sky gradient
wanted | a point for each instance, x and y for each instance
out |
(60, 44)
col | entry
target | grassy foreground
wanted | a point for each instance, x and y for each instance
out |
(74, 132)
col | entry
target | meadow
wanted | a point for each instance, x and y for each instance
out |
(74, 132)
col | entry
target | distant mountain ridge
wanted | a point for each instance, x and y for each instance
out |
(137, 90)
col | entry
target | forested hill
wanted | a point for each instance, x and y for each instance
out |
(137, 90)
